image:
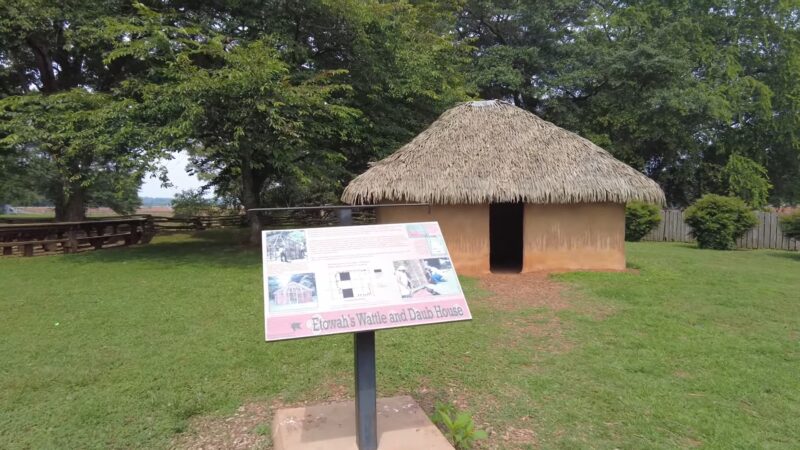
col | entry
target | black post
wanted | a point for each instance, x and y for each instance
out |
(364, 368)
(366, 397)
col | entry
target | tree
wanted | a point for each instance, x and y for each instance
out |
(18, 179)
(191, 202)
(401, 62)
(672, 88)
(236, 108)
(747, 180)
(84, 145)
(61, 119)
(250, 121)
(334, 85)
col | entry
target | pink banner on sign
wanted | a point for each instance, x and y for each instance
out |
(363, 319)
(321, 281)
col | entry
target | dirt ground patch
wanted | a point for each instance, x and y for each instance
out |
(530, 291)
(515, 291)
(250, 427)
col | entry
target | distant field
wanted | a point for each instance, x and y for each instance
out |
(48, 211)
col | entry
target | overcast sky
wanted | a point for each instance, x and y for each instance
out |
(176, 169)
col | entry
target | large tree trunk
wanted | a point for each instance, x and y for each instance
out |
(255, 228)
(251, 199)
(71, 207)
(44, 62)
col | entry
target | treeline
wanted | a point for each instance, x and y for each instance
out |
(281, 102)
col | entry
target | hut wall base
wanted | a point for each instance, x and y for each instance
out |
(581, 236)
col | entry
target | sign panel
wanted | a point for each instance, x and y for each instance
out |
(320, 281)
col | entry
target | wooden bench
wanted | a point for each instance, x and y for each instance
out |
(28, 246)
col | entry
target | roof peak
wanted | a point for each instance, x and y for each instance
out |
(487, 103)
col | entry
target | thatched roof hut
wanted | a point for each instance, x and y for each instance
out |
(492, 151)
(493, 170)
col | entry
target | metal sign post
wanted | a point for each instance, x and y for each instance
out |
(364, 371)
(366, 396)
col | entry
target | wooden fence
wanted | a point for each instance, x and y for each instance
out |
(310, 217)
(28, 237)
(69, 237)
(767, 234)
(272, 218)
(198, 223)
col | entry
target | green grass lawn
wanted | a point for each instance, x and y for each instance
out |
(120, 348)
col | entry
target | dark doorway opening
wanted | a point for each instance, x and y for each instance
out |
(505, 237)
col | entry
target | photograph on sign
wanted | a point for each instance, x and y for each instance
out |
(286, 246)
(292, 292)
(320, 281)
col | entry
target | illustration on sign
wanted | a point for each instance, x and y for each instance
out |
(321, 281)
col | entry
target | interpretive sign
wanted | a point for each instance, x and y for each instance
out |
(320, 281)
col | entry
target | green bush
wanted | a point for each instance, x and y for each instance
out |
(191, 202)
(791, 225)
(717, 221)
(640, 218)
(747, 180)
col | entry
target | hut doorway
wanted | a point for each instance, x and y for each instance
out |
(505, 236)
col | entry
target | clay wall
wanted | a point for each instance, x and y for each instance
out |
(583, 236)
(465, 229)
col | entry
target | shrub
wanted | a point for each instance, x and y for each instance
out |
(717, 221)
(747, 180)
(191, 203)
(640, 218)
(791, 225)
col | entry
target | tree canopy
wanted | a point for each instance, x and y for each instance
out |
(61, 118)
(282, 102)
(672, 88)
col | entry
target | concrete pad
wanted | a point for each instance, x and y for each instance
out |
(402, 425)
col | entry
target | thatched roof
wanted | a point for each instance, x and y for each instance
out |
(492, 151)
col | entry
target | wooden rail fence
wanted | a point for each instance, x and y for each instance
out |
(198, 223)
(70, 237)
(315, 217)
(767, 234)
(26, 237)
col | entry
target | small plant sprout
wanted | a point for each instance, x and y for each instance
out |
(457, 426)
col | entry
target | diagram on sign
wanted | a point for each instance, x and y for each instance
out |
(355, 284)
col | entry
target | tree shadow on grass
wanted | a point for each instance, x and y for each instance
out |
(221, 248)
